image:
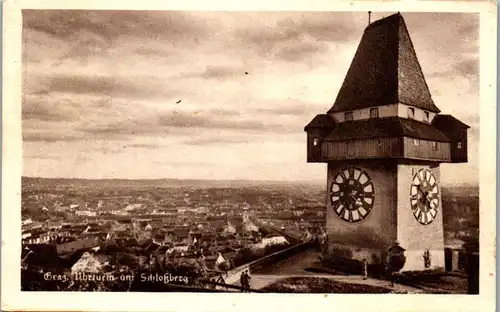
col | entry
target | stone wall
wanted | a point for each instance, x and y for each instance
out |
(417, 238)
(366, 239)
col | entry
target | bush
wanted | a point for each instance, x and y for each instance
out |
(320, 285)
(342, 264)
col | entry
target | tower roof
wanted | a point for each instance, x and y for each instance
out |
(385, 70)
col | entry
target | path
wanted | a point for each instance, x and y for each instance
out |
(295, 266)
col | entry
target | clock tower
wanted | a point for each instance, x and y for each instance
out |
(383, 141)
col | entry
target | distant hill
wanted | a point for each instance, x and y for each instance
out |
(451, 190)
(163, 182)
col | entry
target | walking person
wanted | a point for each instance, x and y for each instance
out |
(243, 281)
(248, 278)
(324, 242)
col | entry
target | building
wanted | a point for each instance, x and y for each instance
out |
(383, 140)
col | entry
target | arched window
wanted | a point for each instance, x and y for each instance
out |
(411, 112)
(315, 141)
(374, 112)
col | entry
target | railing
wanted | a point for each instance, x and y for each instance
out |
(218, 286)
(254, 266)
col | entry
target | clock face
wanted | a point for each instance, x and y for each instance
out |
(351, 194)
(424, 196)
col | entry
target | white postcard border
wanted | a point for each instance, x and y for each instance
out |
(14, 299)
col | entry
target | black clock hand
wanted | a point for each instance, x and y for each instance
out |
(420, 190)
(423, 194)
(429, 200)
(356, 201)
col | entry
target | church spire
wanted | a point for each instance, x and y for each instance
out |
(385, 70)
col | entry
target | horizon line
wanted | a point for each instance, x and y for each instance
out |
(222, 180)
(185, 179)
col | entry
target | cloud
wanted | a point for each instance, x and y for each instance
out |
(142, 145)
(298, 36)
(464, 71)
(187, 120)
(109, 25)
(81, 36)
(469, 30)
(223, 112)
(184, 123)
(39, 108)
(468, 67)
(41, 156)
(217, 141)
(217, 72)
(300, 51)
(109, 86)
(122, 129)
(49, 137)
(286, 108)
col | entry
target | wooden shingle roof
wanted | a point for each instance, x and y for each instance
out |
(321, 121)
(448, 122)
(385, 70)
(385, 127)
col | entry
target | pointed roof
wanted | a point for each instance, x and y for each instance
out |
(385, 70)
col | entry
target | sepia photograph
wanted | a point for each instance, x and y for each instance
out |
(279, 151)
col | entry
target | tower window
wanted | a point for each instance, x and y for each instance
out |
(411, 112)
(426, 116)
(459, 145)
(434, 146)
(374, 112)
(348, 116)
(315, 141)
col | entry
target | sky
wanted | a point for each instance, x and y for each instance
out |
(212, 95)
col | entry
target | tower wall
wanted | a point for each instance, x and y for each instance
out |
(385, 73)
(370, 237)
(416, 238)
